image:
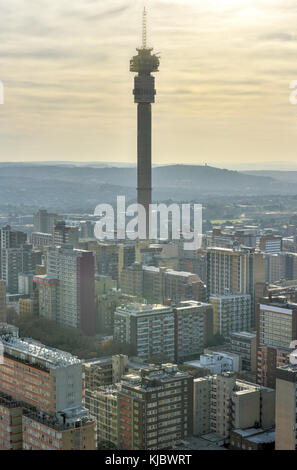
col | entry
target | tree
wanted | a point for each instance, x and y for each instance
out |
(106, 445)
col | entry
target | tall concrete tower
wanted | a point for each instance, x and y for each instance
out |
(144, 63)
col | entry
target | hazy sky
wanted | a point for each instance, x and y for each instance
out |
(222, 90)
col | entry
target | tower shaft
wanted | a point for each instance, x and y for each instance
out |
(144, 157)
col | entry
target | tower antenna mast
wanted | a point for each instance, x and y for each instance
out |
(144, 29)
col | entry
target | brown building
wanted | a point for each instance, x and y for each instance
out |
(10, 423)
(48, 433)
(158, 285)
(155, 409)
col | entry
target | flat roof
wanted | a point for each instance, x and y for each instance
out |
(34, 349)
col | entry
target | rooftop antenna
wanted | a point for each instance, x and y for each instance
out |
(144, 29)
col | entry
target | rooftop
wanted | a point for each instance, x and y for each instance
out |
(244, 334)
(137, 308)
(37, 351)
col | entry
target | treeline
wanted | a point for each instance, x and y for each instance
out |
(67, 339)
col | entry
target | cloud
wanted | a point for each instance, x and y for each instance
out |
(225, 66)
(283, 37)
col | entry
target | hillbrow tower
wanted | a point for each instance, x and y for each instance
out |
(144, 63)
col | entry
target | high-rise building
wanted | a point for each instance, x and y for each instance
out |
(244, 343)
(158, 285)
(151, 409)
(270, 243)
(87, 229)
(44, 221)
(103, 404)
(45, 388)
(75, 296)
(111, 259)
(285, 410)
(65, 235)
(276, 328)
(148, 329)
(10, 239)
(231, 313)
(193, 329)
(276, 267)
(41, 240)
(144, 63)
(234, 271)
(16, 261)
(47, 296)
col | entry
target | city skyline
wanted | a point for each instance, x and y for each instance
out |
(223, 91)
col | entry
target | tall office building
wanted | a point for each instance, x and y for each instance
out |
(44, 387)
(148, 329)
(144, 63)
(75, 296)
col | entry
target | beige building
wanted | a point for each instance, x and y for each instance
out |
(103, 404)
(276, 328)
(231, 313)
(222, 403)
(233, 271)
(286, 417)
(47, 296)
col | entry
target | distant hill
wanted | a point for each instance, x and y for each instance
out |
(278, 175)
(67, 186)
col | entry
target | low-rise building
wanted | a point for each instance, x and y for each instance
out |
(232, 404)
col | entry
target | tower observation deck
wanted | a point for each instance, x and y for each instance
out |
(144, 63)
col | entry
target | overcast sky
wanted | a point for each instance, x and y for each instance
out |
(222, 90)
